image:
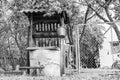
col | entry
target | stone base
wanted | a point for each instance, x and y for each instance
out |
(50, 59)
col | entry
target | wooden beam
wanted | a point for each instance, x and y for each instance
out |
(28, 59)
(26, 67)
(43, 48)
(31, 30)
(46, 21)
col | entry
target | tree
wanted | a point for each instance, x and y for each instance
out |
(103, 7)
(13, 31)
(96, 8)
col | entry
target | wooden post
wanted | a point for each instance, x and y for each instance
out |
(30, 40)
(62, 58)
(31, 30)
(62, 70)
(76, 45)
(77, 49)
(28, 59)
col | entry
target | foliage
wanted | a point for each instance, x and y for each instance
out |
(116, 65)
(13, 32)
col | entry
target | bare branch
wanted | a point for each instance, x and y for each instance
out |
(94, 14)
(105, 20)
(99, 3)
(101, 6)
(91, 17)
(112, 24)
(108, 15)
(107, 30)
(86, 15)
(107, 3)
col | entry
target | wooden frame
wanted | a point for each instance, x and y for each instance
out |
(32, 44)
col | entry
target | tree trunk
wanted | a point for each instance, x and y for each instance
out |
(116, 30)
(112, 24)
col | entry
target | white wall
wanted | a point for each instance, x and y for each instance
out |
(106, 58)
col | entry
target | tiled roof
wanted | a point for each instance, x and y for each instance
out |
(34, 6)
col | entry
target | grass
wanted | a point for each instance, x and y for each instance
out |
(86, 75)
(68, 77)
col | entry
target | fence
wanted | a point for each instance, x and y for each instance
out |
(83, 57)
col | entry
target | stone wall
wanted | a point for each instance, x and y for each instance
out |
(48, 58)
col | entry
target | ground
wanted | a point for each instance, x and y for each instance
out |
(90, 74)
